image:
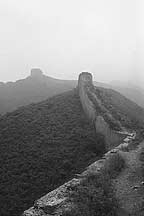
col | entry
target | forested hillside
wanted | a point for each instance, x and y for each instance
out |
(135, 93)
(123, 109)
(42, 146)
(45, 144)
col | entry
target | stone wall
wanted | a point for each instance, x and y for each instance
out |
(112, 138)
(56, 202)
(85, 86)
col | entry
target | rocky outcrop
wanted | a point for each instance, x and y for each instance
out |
(97, 113)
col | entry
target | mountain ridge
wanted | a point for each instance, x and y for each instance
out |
(29, 90)
(34, 89)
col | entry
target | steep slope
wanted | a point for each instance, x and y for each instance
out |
(85, 195)
(108, 110)
(123, 109)
(135, 93)
(45, 144)
(41, 147)
(35, 88)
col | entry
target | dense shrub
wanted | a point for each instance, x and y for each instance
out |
(45, 144)
(42, 146)
(141, 157)
(94, 197)
(100, 108)
(115, 164)
(121, 108)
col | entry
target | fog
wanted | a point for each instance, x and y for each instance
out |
(65, 37)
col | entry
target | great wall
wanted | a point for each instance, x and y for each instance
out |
(117, 141)
(88, 100)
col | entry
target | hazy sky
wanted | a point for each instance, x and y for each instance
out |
(65, 37)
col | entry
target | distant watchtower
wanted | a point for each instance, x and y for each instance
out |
(84, 83)
(36, 72)
(85, 78)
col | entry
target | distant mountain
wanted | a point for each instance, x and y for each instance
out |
(38, 87)
(135, 93)
(34, 88)
(45, 144)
